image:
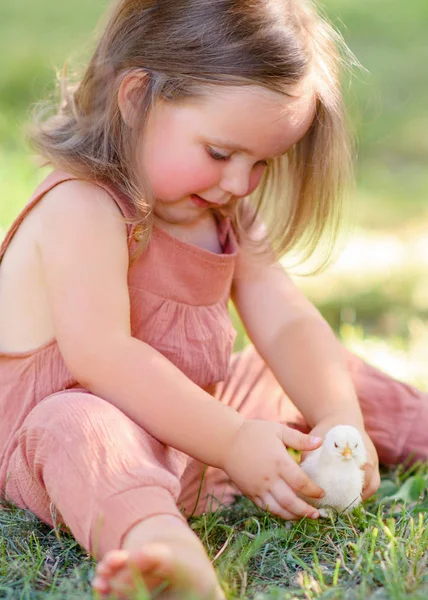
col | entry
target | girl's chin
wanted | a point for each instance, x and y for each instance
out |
(185, 215)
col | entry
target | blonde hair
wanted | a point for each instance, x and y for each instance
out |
(184, 47)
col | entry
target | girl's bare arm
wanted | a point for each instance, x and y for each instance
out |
(296, 343)
(302, 351)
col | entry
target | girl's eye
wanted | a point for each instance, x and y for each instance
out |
(217, 155)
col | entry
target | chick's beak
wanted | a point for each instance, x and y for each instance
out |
(347, 452)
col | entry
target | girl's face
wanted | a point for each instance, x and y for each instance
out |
(206, 152)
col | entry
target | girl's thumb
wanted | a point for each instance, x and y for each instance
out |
(298, 440)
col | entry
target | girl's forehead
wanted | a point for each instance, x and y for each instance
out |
(255, 119)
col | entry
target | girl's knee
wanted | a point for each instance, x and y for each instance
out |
(81, 422)
(73, 414)
(71, 405)
(415, 444)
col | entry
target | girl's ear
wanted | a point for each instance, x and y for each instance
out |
(129, 94)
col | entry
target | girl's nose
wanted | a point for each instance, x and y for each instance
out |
(236, 179)
(236, 186)
(241, 181)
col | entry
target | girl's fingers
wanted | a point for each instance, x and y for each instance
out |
(288, 500)
(269, 503)
(298, 440)
(297, 480)
(371, 481)
(367, 468)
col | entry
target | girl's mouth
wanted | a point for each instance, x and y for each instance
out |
(199, 201)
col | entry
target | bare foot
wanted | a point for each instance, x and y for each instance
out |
(161, 552)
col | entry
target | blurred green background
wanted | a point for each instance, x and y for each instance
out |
(376, 295)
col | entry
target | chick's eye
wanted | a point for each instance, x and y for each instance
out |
(335, 445)
(216, 155)
(356, 445)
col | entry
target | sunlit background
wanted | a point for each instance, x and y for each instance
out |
(376, 294)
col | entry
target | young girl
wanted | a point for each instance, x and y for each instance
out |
(205, 139)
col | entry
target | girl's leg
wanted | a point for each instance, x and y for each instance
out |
(395, 415)
(80, 457)
(114, 486)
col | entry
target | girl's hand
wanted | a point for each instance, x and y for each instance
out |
(371, 466)
(259, 464)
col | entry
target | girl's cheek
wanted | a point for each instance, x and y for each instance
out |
(174, 178)
(199, 175)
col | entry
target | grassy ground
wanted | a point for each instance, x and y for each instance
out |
(375, 297)
(380, 553)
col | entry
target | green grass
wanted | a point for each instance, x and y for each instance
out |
(379, 552)
(389, 106)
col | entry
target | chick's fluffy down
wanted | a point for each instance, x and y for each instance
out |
(336, 468)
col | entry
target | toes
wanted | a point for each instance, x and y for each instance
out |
(113, 560)
(101, 585)
(111, 563)
(155, 558)
(107, 568)
(104, 570)
(156, 564)
(145, 569)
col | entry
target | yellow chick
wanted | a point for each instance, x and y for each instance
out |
(336, 467)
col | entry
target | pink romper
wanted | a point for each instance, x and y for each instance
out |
(71, 457)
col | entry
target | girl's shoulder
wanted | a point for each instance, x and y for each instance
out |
(78, 210)
(62, 199)
(80, 201)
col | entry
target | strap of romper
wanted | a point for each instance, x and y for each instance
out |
(51, 181)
